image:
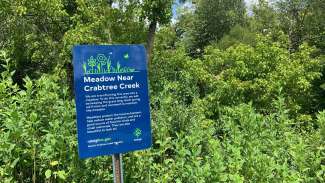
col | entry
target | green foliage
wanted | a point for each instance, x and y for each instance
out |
(247, 110)
(259, 148)
(38, 134)
(259, 74)
(265, 18)
(39, 35)
(157, 10)
(237, 34)
(314, 25)
(31, 33)
(321, 124)
(213, 19)
(302, 21)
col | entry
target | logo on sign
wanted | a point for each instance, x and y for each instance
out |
(137, 132)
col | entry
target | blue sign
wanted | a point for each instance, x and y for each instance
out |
(111, 89)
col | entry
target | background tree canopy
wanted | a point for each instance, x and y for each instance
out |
(237, 93)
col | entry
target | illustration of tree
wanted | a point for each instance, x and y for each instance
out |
(92, 63)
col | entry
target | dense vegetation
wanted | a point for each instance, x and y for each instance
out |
(236, 96)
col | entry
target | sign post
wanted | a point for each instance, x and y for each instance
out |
(112, 101)
(117, 168)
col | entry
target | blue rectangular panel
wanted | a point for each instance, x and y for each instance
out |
(111, 88)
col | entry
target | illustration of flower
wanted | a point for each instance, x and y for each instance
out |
(102, 59)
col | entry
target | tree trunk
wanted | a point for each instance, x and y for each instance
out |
(69, 70)
(294, 31)
(151, 39)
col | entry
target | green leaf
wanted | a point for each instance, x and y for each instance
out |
(323, 86)
(61, 174)
(14, 163)
(33, 117)
(54, 163)
(48, 173)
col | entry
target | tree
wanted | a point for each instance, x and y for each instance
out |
(213, 19)
(265, 18)
(237, 35)
(156, 12)
(32, 31)
(293, 14)
(315, 25)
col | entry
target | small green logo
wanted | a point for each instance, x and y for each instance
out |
(137, 132)
(126, 56)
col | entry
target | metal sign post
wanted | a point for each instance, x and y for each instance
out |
(117, 168)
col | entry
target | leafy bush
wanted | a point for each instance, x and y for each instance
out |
(266, 149)
(260, 74)
(38, 134)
